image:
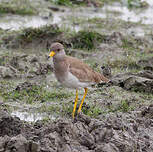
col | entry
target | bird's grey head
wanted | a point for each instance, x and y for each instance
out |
(56, 50)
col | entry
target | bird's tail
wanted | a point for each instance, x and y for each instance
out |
(104, 79)
(100, 78)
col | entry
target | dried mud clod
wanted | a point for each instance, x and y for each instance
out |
(8, 125)
(114, 133)
(141, 82)
(148, 111)
(24, 66)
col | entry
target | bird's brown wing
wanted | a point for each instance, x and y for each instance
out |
(83, 72)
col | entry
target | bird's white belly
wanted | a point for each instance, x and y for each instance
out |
(71, 81)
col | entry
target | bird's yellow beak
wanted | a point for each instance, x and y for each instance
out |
(52, 53)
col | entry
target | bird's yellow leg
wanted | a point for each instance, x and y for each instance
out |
(85, 93)
(75, 104)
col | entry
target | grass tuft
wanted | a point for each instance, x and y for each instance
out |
(21, 7)
(137, 4)
(30, 34)
(123, 106)
(93, 111)
(87, 39)
(62, 2)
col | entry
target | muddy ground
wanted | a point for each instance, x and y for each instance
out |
(114, 38)
(116, 132)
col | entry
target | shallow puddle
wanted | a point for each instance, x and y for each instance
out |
(115, 11)
(135, 15)
(16, 22)
(28, 113)
(31, 117)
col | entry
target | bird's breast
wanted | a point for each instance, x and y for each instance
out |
(61, 71)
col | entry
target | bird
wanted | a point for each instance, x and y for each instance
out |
(73, 73)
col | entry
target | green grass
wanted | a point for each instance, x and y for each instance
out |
(4, 58)
(3, 61)
(124, 63)
(71, 3)
(62, 2)
(67, 109)
(19, 39)
(137, 4)
(123, 106)
(86, 39)
(30, 34)
(88, 109)
(130, 43)
(21, 7)
(5, 85)
(34, 94)
(93, 111)
(97, 3)
(20, 11)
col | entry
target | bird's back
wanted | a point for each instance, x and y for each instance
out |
(83, 72)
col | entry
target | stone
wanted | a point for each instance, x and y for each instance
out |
(6, 72)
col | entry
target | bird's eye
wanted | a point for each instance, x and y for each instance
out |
(58, 49)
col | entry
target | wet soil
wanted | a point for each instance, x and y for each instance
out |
(122, 132)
